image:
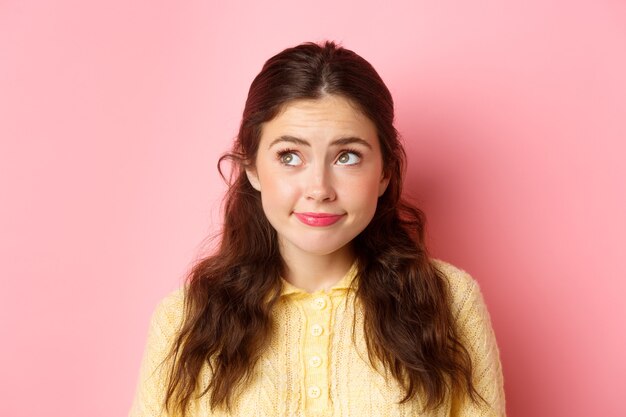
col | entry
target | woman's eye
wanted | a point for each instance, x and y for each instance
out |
(349, 158)
(290, 158)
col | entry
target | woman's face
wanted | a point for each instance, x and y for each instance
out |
(319, 170)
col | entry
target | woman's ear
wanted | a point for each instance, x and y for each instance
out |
(253, 177)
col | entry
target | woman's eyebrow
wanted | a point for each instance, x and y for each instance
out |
(338, 142)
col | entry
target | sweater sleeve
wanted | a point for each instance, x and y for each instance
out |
(152, 384)
(474, 327)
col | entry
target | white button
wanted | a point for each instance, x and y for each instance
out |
(314, 391)
(315, 361)
(317, 330)
(319, 303)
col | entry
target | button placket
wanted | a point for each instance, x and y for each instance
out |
(318, 309)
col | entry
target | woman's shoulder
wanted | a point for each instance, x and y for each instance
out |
(473, 324)
(169, 311)
(464, 289)
(456, 276)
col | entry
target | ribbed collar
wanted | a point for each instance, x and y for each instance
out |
(342, 285)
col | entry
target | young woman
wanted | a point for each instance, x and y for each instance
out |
(321, 299)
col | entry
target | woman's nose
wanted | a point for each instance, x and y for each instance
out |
(319, 185)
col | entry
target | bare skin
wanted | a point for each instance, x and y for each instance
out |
(318, 157)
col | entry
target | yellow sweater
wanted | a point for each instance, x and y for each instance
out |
(312, 367)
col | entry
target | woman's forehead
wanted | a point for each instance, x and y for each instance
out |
(327, 102)
(327, 117)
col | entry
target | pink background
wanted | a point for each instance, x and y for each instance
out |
(113, 115)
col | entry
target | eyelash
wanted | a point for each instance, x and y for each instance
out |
(283, 152)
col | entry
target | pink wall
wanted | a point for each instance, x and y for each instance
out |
(112, 117)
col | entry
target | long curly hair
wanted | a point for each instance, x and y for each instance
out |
(230, 294)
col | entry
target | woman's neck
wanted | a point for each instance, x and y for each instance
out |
(311, 272)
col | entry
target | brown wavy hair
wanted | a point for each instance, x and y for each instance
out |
(230, 294)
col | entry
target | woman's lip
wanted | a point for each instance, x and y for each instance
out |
(318, 219)
(320, 214)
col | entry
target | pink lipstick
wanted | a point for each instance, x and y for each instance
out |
(318, 219)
